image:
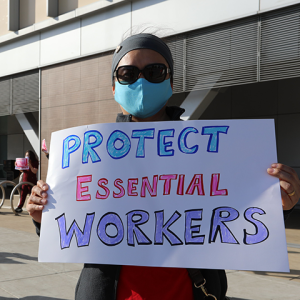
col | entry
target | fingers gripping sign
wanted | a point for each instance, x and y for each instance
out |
(37, 200)
(289, 183)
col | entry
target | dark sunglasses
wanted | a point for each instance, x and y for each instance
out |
(155, 73)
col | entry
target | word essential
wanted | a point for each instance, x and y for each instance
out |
(140, 187)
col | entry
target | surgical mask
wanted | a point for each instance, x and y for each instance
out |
(143, 99)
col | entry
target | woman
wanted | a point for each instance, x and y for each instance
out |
(29, 176)
(142, 72)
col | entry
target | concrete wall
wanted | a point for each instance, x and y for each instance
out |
(271, 4)
(40, 11)
(74, 94)
(182, 16)
(3, 17)
(69, 41)
(77, 32)
(86, 2)
(67, 6)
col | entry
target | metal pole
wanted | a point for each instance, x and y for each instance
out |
(40, 106)
(258, 47)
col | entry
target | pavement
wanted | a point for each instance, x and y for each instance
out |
(23, 277)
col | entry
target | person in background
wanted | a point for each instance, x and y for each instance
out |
(29, 176)
(142, 83)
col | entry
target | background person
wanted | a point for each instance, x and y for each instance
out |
(142, 72)
(29, 176)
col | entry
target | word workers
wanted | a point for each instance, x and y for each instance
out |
(190, 233)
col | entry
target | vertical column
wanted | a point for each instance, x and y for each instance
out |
(258, 47)
(40, 113)
(52, 8)
(11, 96)
(13, 15)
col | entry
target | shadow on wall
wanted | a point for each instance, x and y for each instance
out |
(13, 258)
(144, 4)
(67, 6)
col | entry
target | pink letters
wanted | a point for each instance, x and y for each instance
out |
(196, 182)
(81, 189)
(167, 179)
(135, 189)
(214, 185)
(118, 185)
(145, 183)
(106, 189)
(180, 187)
(131, 186)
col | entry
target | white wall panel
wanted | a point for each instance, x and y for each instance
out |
(20, 55)
(180, 16)
(104, 31)
(269, 4)
(60, 43)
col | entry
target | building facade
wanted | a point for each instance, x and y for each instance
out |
(233, 59)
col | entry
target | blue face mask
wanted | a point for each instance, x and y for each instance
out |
(143, 99)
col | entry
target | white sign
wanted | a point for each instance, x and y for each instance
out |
(171, 194)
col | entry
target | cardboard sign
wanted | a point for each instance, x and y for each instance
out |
(172, 194)
(22, 164)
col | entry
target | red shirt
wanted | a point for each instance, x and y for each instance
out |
(29, 175)
(152, 283)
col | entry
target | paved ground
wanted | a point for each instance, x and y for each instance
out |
(22, 277)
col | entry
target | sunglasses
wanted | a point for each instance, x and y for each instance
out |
(154, 73)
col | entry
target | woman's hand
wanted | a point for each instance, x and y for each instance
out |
(37, 200)
(289, 183)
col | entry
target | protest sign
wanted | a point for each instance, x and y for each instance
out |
(173, 194)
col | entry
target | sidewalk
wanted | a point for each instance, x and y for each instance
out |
(22, 277)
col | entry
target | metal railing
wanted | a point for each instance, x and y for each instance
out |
(15, 188)
(3, 190)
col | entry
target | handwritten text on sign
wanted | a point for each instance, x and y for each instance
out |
(177, 194)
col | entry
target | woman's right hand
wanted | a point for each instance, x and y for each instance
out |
(37, 200)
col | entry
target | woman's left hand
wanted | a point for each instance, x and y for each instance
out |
(289, 183)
